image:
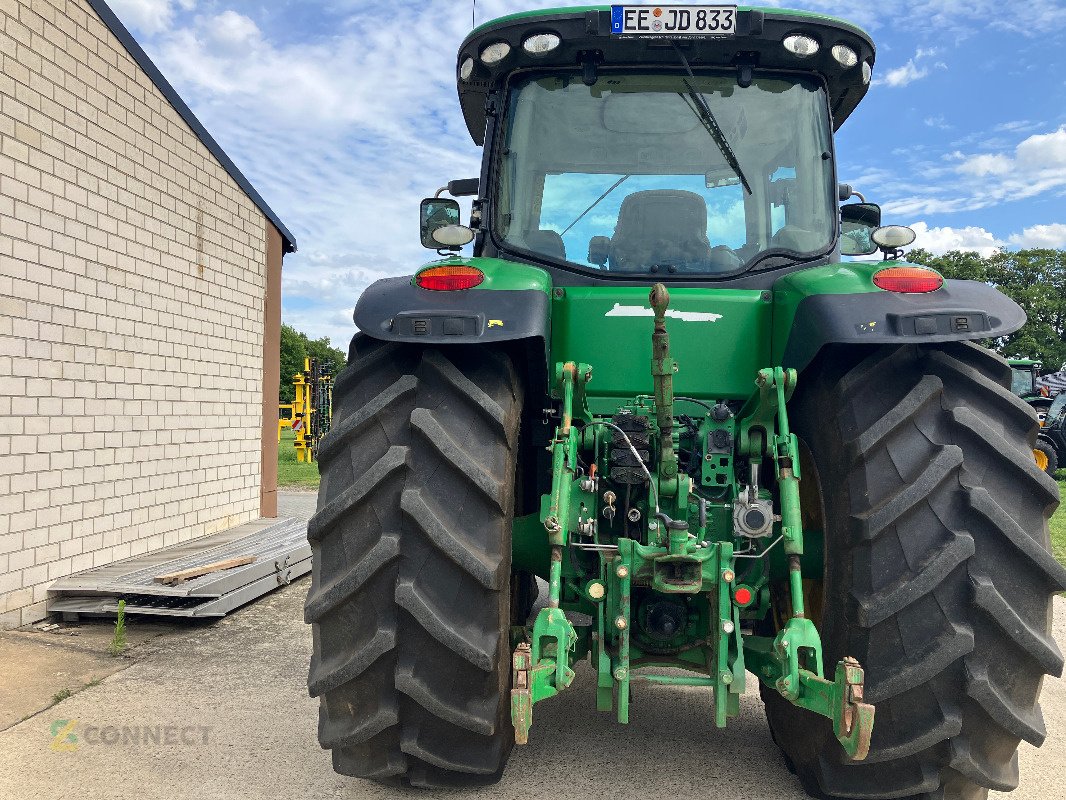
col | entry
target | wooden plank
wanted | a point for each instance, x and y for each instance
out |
(172, 578)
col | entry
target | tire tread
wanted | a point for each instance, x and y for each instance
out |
(410, 592)
(943, 551)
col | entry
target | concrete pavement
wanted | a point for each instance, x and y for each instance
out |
(221, 711)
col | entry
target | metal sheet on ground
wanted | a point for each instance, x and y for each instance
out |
(279, 547)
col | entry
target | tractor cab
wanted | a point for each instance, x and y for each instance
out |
(629, 142)
(1024, 375)
(1025, 382)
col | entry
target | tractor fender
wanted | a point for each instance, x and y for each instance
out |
(960, 310)
(396, 310)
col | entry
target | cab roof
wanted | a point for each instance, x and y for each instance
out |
(586, 35)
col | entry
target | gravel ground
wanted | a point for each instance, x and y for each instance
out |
(231, 700)
(297, 504)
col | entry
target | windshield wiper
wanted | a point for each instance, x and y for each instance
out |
(703, 113)
(595, 203)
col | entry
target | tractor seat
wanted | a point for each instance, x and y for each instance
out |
(546, 242)
(663, 226)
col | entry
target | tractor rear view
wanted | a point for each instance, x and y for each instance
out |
(656, 387)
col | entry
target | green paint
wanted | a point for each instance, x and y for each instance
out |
(854, 277)
(595, 325)
(530, 550)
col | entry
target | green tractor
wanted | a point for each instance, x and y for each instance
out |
(1024, 375)
(657, 396)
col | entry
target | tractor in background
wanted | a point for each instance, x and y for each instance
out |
(1025, 382)
(1050, 450)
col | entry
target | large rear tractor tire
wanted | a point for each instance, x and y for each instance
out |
(939, 578)
(410, 591)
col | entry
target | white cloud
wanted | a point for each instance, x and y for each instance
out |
(986, 164)
(948, 18)
(325, 320)
(148, 16)
(1043, 151)
(974, 181)
(911, 206)
(915, 69)
(233, 29)
(940, 240)
(945, 239)
(901, 76)
(1017, 126)
(1037, 166)
(1051, 236)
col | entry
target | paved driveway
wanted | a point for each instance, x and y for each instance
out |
(221, 711)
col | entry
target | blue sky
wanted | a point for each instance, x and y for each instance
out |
(343, 114)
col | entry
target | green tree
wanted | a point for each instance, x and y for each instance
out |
(295, 347)
(328, 356)
(293, 353)
(1034, 279)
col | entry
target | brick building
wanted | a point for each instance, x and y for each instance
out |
(140, 309)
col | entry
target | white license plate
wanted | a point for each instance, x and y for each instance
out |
(674, 20)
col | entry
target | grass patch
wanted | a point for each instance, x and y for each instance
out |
(291, 473)
(63, 694)
(118, 642)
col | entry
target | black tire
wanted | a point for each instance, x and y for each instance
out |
(1048, 449)
(410, 590)
(938, 572)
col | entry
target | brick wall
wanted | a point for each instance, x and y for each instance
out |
(132, 276)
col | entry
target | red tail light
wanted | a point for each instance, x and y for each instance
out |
(449, 279)
(743, 596)
(908, 280)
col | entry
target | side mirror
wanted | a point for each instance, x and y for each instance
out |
(857, 222)
(439, 224)
(599, 250)
(465, 187)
